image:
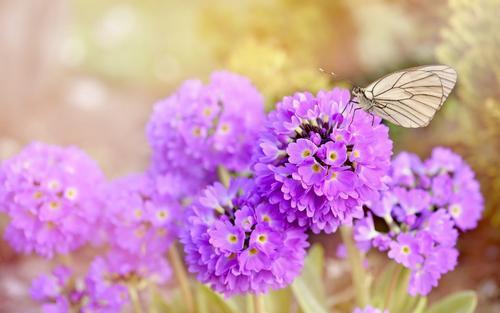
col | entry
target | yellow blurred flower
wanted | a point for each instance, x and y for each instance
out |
(471, 44)
(274, 71)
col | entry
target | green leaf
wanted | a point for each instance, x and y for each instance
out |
(459, 302)
(209, 301)
(308, 288)
(278, 301)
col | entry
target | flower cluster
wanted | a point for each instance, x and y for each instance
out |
(105, 287)
(202, 126)
(238, 242)
(419, 216)
(110, 277)
(57, 292)
(319, 162)
(139, 219)
(53, 197)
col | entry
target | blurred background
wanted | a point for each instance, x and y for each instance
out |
(87, 72)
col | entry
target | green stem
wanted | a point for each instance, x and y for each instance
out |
(182, 278)
(134, 297)
(258, 304)
(224, 175)
(358, 273)
(395, 276)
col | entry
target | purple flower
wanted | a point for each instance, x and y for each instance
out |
(109, 277)
(138, 218)
(53, 198)
(238, 242)
(201, 126)
(57, 292)
(425, 205)
(319, 162)
(405, 251)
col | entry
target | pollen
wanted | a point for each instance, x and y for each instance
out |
(405, 249)
(306, 153)
(253, 251)
(266, 218)
(334, 176)
(262, 238)
(225, 128)
(196, 131)
(333, 156)
(339, 137)
(37, 195)
(455, 210)
(138, 213)
(232, 238)
(207, 112)
(162, 214)
(71, 193)
(53, 184)
(316, 168)
(356, 153)
(54, 205)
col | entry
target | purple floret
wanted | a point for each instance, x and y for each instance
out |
(237, 242)
(318, 162)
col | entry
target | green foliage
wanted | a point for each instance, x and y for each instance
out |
(459, 302)
(308, 288)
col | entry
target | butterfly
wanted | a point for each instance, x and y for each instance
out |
(410, 97)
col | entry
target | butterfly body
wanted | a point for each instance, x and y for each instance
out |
(408, 98)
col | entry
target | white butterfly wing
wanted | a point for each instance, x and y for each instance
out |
(410, 98)
(446, 74)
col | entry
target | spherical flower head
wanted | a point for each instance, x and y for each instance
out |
(139, 219)
(319, 161)
(108, 278)
(425, 205)
(53, 197)
(57, 292)
(201, 126)
(369, 309)
(238, 242)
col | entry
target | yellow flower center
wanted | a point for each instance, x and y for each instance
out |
(197, 132)
(53, 185)
(306, 153)
(253, 251)
(405, 249)
(334, 175)
(262, 238)
(138, 213)
(356, 153)
(70, 193)
(266, 218)
(316, 168)
(162, 214)
(456, 210)
(54, 205)
(37, 194)
(333, 156)
(224, 128)
(207, 112)
(232, 238)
